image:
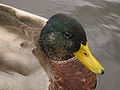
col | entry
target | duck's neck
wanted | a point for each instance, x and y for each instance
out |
(71, 75)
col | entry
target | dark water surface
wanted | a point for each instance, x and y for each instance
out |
(101, 20)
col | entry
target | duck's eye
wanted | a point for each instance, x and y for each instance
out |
(67, 35)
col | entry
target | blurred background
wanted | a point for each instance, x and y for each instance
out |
(101, 21)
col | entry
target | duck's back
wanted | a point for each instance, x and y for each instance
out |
(19, 69)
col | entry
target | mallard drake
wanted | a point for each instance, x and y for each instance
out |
(34, 49)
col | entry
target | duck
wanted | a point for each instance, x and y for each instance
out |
(44, 54)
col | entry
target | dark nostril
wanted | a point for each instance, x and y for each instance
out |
(102, 72)
(85, 54)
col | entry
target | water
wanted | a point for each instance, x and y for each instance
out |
(101, 20)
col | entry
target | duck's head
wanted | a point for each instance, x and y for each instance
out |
(63, 38)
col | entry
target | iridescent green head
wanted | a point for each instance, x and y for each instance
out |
(63, 37)
(62, 34)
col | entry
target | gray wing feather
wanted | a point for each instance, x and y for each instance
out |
(19, 68)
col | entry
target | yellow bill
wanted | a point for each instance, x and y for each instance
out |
(86, 58)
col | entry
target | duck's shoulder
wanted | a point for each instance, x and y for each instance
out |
(21, 22)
